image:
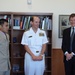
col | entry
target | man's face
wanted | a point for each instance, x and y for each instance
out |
(72, 21)
(36, 22)
(5, 27)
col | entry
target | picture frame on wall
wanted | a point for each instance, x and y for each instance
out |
(63, 24)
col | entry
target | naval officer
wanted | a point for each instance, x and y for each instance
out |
(34, 41)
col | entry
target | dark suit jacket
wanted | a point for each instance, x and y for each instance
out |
(66, 41)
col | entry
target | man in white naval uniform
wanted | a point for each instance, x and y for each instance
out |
(4, 48)
(34, 41)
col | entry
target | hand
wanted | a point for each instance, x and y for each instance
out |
(40, 57)
(34, 57)
(69, 56)
(37, 58)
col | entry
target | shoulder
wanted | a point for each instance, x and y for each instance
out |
(26, 31)
(67, 29)
(42, 30)
(7, 34)
(2, 34)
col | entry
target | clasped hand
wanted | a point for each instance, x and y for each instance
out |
(37, 58)
(69, 56)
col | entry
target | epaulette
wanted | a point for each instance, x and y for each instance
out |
(42, 29)
(27, 29)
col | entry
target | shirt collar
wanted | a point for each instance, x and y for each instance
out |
(72, 29)
(33, 31)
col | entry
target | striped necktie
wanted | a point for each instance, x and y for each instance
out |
(71, 41)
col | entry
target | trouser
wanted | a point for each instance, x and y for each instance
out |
(5, 72)
(70, 66)
(33, 67)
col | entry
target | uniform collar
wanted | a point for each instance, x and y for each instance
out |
(33, 31)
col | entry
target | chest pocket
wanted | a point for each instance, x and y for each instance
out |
(36, 40)
(39, 40)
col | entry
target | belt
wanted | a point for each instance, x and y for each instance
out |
(37, 51)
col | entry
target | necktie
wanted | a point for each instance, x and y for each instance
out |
(72, 35)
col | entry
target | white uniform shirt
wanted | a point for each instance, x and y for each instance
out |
(34, 40)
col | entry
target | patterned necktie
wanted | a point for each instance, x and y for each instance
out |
(72, 35)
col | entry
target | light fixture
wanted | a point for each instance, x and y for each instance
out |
(29, 2)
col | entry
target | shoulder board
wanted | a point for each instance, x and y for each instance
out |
(27, 30)
(42, 29)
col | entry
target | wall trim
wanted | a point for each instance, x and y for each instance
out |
(56, 49)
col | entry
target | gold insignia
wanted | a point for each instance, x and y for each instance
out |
(41, 34)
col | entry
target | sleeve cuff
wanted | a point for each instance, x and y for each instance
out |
(66, 52)
(73, 53)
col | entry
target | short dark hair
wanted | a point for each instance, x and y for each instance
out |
(72, 15)
(32, 18)
(2, 21)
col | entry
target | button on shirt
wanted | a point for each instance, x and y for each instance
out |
(34, 40)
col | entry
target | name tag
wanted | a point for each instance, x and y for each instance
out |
(29, 36)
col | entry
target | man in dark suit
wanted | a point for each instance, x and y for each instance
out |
(68, 47)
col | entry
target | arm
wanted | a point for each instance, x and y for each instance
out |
(64, 46)
(45, 40)
(28, 50)
(25, 43)
(31, 54)
(40, 57)
(43, 49)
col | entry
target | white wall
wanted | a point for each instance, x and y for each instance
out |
(57, 7)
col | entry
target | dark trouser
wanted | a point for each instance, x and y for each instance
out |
(70, 66)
